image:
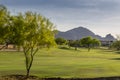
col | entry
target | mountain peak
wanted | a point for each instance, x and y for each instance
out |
(109, 37)
(79, 28)
(80, 32)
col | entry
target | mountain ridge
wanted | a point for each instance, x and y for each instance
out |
(80, 32)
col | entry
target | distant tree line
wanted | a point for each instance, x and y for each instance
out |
(87, 42)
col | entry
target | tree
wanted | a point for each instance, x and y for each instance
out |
(31, 31)
(74, 43)
(4, 28)
(116, 45)
(89, 42)
(95, 43)
(61, 41)
(86, 42)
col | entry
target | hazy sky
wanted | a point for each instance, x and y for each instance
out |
(100, 16)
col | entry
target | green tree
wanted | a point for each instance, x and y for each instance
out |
(116, 45)
(74, 43)
(31, 31)
(4, 27)
(61, 41)
(89, 42)
(86, 42)
(95, 43)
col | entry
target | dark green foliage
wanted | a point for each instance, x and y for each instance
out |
(89, 42)
(4, 26)
(86, 42)
(95, 43)
(75, 43)
(116, 45)
(61, 41)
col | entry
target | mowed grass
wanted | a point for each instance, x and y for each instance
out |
(64, 63)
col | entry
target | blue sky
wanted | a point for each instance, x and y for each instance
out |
(100, 16)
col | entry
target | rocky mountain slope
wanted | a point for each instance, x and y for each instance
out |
(80, 32)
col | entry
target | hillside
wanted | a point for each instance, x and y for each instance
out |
(80, 32)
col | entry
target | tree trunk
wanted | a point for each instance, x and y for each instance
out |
(28, 66)
(88, 49)
(29, 56)
(75, 48)
(28, 72)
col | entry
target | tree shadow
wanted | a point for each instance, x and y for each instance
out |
(115, 59)
(118, 52)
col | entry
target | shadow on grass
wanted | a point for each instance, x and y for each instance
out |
(118, 52)
(108, 50)
(115, 59)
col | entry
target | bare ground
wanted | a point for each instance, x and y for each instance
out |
(23, 77)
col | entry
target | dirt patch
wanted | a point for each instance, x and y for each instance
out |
(23, 77)
(19, 77)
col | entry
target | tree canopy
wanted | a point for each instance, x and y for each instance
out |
(4, 16)
(74, 43)
(31, 31)
(89, 42)
(61, 41)
(116, 44)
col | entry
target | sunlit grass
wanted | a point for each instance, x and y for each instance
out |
(64, 63)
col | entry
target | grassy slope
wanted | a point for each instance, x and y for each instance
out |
(64, 63)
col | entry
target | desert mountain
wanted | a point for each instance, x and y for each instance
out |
(80, 32)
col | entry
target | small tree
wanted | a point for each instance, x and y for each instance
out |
(86, 42)
(74, 44)
(61, 41)
(31, 31)
(116, 45)
(89, 42)
(96, 42)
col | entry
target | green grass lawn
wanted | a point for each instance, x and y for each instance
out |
(64, 63)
